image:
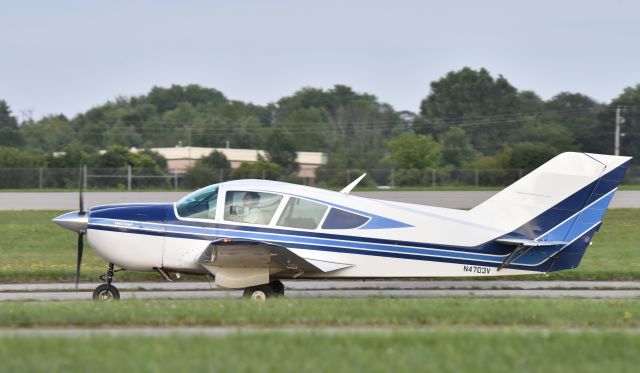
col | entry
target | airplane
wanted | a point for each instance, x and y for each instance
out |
(250, 234)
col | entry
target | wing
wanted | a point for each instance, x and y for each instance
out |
(239, 263)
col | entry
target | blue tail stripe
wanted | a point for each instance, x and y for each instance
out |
(588, 216)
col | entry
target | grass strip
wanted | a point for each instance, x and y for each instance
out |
(453, 351)
(287, 312)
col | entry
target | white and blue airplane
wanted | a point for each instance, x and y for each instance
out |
(250, 234)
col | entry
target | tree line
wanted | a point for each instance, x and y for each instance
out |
(468, 119)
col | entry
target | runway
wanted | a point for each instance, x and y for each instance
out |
(69, 200)
(337, 289)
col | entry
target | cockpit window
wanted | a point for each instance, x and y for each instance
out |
(300, 213)
(250, 207)
(199, 204)
(340, 219)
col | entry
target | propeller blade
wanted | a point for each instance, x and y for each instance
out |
(79, 259)
(81, 186)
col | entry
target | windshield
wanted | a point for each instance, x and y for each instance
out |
(199, 204)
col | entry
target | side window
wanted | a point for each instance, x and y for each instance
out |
(340, 219)
(300, 213)
(199, 204)
(250, 207)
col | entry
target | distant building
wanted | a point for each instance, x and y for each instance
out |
(181, 158)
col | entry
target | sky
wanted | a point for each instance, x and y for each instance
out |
(68, 56)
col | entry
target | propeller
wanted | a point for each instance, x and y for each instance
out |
(81, 212)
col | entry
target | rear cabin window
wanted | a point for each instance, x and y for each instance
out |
(250, 207)
(340, 219)
(300, 213)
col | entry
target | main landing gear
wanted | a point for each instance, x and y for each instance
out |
(106, 291)
(261, 292)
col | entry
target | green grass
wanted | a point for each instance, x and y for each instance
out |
(32, 249)
(435, 334)
(440, 351)
(359, 312)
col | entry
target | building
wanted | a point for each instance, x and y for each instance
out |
(181, 158)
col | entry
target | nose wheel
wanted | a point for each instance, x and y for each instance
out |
(262, 292)
(106, 292)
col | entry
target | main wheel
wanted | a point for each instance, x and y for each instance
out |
(260, 292)
(103, 294)
(277, 287)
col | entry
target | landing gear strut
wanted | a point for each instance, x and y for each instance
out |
(106, 291)
(261, 292)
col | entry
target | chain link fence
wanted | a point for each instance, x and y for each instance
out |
(139, 179)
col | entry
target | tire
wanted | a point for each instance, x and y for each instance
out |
(101, 294)
(259, 293)
(277, 287)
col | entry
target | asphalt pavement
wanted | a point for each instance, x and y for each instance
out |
(450, 199)
(337, 289)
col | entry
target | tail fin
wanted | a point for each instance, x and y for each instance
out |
(563, 200)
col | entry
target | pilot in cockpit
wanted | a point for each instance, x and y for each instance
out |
(252, 214)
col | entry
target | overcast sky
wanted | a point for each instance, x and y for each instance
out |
(67, 56)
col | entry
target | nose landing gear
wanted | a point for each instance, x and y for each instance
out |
(261, 292)
(106, 292)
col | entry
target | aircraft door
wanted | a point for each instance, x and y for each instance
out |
(191, 225)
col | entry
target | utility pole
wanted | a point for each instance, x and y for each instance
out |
(189, 129)
(616, 147)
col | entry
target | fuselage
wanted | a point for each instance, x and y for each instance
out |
(376, 238)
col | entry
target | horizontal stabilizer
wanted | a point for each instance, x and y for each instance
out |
(522, 246)
(527, 242)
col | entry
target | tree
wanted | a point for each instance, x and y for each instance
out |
(158, 159)
(312, 127)
(352, 126)
(49, 134)
(6, 119)
(16, 158)
(216, 161)
(72, 156)
(551, 133)
(122, 135)
(411, 151)
(578, 114)
(495, 168)
(501, 159)
(530, 102)
(456, 147)
(166, 99)
(213, 168)
(281, 150)
(257, 170)
(10, 136)
(475, 100)
(530, 155)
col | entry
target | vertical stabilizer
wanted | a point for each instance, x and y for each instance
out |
(553, 192)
